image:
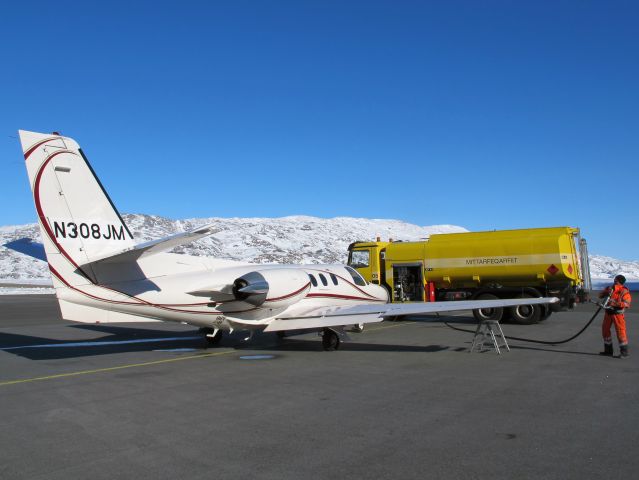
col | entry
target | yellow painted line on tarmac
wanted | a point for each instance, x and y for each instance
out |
(111, 369)
(158, 362)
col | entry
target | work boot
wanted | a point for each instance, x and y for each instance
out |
(624, 351)
(607, 350)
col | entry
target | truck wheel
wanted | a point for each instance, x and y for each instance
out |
(482, 314)
(525, 314)
(546, 312)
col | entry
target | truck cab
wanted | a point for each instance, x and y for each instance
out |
(394, 268)
(367, 259)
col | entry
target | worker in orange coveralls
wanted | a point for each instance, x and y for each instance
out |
(619, 300)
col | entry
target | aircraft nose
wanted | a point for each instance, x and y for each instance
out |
(380, 292)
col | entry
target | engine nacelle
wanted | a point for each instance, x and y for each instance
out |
(272, 288)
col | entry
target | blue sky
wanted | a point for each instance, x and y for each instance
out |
(484, 114)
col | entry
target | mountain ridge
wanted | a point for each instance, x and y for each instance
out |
(296, 239)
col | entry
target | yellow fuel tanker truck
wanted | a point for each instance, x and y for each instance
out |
(482, 265)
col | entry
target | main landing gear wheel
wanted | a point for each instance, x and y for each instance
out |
(212, 336)
(482, 314)
(330, 340)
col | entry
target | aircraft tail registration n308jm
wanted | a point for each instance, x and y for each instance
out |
(102, 276)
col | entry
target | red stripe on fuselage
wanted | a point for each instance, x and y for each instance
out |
(140, 302)
(289, 295)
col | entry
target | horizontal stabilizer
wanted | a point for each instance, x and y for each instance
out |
(154, 246)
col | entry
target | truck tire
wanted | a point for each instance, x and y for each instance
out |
(546, 312)
(526, 314)
(482, 314)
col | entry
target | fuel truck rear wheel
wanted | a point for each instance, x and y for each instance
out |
(525, 314)
(545, 312)
(482, 314)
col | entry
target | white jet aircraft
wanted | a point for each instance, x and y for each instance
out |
(102, 276)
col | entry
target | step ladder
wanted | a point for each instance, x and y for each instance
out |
(489, 329)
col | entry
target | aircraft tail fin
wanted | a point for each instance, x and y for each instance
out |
(78, 220)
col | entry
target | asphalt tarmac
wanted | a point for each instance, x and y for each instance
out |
(402, 400)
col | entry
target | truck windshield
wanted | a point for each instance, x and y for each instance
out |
(357, 278)
(359, 258)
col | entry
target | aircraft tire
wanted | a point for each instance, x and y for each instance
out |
(526, 314)
(482, 314)
(330, 340)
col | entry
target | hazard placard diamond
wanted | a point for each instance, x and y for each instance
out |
(552, 269)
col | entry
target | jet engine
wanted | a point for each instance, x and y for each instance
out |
(272, 288)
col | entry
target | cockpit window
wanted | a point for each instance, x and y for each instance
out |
(359, 258)
(334, 278)
(323, 279)
(313, 280)
(357, 278)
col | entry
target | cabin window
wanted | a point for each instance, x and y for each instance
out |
(313, 280)
(323, 279)
(357, 278)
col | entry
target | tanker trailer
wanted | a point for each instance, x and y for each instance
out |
(482, 265)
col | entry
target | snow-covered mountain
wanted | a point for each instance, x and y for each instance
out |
(297, 239)
(606, 268)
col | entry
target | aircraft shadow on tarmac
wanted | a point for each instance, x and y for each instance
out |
(290, 344)
(137, 340)
(120, 339)
(131, 339)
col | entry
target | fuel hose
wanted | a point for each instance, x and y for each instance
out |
(543, 342)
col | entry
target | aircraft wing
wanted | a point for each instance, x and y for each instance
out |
(154, 246)
(371, 313)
